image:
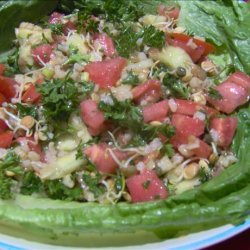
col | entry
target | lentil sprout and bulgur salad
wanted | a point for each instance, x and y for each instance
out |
(99, 108)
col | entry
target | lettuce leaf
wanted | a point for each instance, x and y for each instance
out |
(15, 11)
(226, 23)
(224, 199)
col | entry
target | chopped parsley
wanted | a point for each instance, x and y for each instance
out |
(168, 150)
(153, 37)
(59, 99)
(12, 66)
(9, 168)
(129, 116)
(56, 28)
(175, 87)
(93, 181)
(27, 110)
(215, 94)
(205, 174)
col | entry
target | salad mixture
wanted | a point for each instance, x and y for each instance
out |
(100, 108)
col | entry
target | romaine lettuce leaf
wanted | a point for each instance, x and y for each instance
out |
(224, 199)
(13, 12)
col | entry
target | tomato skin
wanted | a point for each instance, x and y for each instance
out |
(2, 68)
(43, 52)
(31, 95)
(181, 40)
(106, 43)
(225, 128)
(187, 125)
(233, 96)
(100, 156)
(150, 92)
(156, 111)
(146, 186)
(93, 117)
(7, 87)
(6, 139)
(208, 47)
(3, 126)
(240, 79)
(106, 73)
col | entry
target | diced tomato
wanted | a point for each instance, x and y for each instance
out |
(106, 44)
(225, 128)
(7, 87)
(240, 79)
(106, 73)
(150, 92)
(6, 139)
(156, 111)
(100, 156)
(204, 150)
(93, 117)
(3, 126)
(146, 186)
(178, 139)
(208, 47)
(233, 96)
(2, 99)
(200, 49)
(172, 12)
(186, 107)
(188, 125)
(31, 95)
(42, 54)
(2, 68)
(55, 17)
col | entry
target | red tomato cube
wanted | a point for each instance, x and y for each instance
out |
(187, 125)
(100, 156)
(2, 99)
(6, 139)
(3, 126)
(146, 186)
(233, 96)
(106, 73)
(42, 54)
(156, 111)
(203, 151)
(31, 95)
(7, 87)
(106, 44)
(225, 128)
(150, 92)
(93, 117)
(240, 79)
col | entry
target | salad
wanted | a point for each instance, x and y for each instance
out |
(120, 110)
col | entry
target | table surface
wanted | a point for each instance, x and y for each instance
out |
(238, 242)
